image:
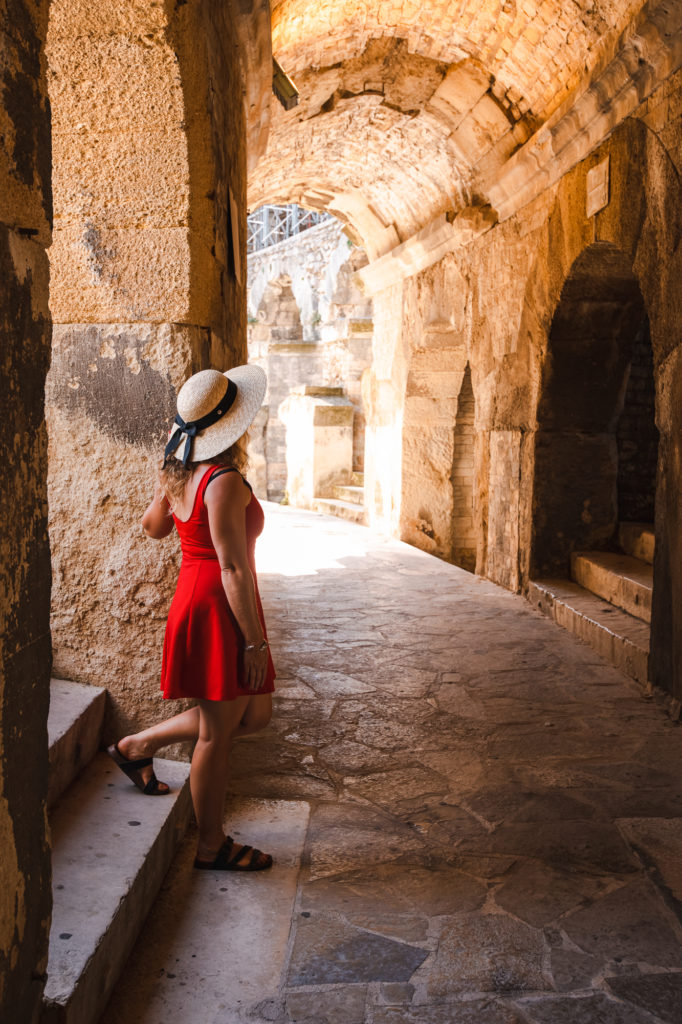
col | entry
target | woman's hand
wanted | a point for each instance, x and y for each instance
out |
(255, 667)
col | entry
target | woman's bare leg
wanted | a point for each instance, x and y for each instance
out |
(179, 729)
(218, 722)
(257, 715)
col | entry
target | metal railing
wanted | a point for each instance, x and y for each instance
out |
(269, 225)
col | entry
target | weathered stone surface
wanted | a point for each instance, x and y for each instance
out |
(660, 994)
(539, 894)
(327, 952)
(658, 842)
(484, 953)
(476, 1011)
(593, 1009)
(341, 1005)
(400, 884)
(628, 924)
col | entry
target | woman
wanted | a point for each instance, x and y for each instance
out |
(215, 647)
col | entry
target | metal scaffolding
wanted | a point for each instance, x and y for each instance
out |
(269, 225)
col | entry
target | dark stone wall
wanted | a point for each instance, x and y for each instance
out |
(25, 656)
(642, 224)
(637, 436)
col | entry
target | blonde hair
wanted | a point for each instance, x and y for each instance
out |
(174, 478)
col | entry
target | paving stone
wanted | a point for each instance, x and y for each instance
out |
(341, 1005)
(348, 758)
(596, 846)
(477, 1011)
(658, 841)
(331, 952)
(660, 994)
(402, 886)
(518, 803)
(444, 824)
(344, 835)
(332, 684)
(538, 893)
(628, 924)
(484, 953)
(593, 1009)
(392, 789)
(396, 992)
(573, 970)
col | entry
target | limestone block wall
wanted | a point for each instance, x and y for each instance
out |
(149, 171)
(319, 450)
(310, 324)
(496, 302)
(25, 215)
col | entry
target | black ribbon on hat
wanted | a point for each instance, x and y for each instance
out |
(194, 427)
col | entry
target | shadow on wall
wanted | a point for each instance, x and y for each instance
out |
(596, 445)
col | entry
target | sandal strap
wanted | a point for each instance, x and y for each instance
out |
(242, 852)
(152, 785)
(135, 766)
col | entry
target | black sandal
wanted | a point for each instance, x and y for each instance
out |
(224, 862)
(133, 769)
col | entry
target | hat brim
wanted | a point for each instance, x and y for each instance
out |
(251, 384)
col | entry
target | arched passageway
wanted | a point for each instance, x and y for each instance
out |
(465, 138)
(596, 440)
(310, 327)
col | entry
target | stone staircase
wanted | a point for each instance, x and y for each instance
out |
(111, 848)
(607, 602)
(347, 501)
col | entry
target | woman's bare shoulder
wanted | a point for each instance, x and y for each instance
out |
(227, 484)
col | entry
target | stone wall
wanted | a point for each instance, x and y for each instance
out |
(309, 324)
(503, 302)
(149, 174)
(25, 215)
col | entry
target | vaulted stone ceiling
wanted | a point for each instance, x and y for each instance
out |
(408, 109)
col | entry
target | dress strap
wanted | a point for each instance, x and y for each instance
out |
(218, 471)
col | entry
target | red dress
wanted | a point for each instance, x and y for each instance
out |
(203, 646)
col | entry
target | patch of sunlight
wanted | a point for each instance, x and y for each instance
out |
(296, 545)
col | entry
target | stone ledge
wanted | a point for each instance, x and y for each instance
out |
(111, 847)
(616, 636)
(74, 727)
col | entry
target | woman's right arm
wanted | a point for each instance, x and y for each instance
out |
(157, 521)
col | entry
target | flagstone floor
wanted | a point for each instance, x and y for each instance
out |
(495, 814)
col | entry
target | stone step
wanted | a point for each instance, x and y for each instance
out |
(74, 730)
(342, 509)
(357, 479)
(618, 637)
(637, 539)
(622, 580)
(111, 848)
(348, 492)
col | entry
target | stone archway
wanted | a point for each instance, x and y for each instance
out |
(147, 286)
(584, 480)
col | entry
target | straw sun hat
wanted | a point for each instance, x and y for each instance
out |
(214, 410)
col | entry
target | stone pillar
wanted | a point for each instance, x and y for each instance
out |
(25, 215)
(319, 442)
(148, 280)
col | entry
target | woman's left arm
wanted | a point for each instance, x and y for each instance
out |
(157, 521)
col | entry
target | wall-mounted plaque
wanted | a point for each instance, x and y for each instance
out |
(597, 188)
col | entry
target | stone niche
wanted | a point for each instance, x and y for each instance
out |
(319, 442)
